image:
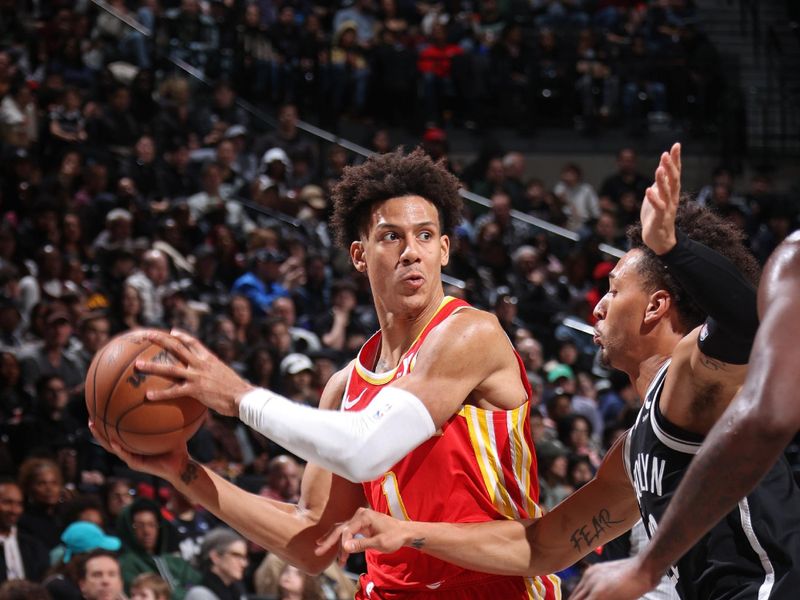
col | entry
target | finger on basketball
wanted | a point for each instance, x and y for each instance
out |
(190, 342)
(170, 393)
(171, 344)
(164, 370)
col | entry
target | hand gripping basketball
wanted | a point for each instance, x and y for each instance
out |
(201, 375)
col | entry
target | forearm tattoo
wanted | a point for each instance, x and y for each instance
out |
(418, 543)
(584, 537)
(190, 473)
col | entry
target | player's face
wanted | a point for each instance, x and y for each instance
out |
(403, 255)
(620, 313)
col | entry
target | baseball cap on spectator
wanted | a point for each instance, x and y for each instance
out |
(55, 314)
(235, 131)
(118, 214)
(434, 134)
(314, 196)
(560, 371)
(83, 536)
(296, 363)
(274, 154)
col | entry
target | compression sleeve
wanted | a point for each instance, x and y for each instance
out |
(359, 446)
(721, 291)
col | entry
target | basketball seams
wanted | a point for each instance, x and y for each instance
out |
(188, 425)
(119, 378)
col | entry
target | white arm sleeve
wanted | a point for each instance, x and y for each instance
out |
(359, 446)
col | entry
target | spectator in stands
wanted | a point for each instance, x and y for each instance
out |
(297, 374)
(435, 65)
(303, 340)
(149, 586)
(99, 576)
(626, 179)
(261, 285)
(42, 486)
(146, 537)
(151, 282)
(223, 561)
(580, 200)
(25, 557)
(52, 358)
(50, 426)
(349, 70)
(20, 589)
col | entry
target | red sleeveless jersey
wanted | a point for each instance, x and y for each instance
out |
(478, 467)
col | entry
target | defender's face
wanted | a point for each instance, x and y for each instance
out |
(620, 313)
(403, 253)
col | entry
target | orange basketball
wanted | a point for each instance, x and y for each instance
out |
(115, 398)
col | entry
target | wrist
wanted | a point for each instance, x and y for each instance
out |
(648, 570)
(237, 397)
(668, 244)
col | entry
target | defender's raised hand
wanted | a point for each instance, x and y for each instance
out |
(202, 375)
(661, 203)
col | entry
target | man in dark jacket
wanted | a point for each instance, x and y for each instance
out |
(145, 536)
(22, 556)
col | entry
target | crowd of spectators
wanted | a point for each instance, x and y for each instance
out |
(582, 63)
(132, 196)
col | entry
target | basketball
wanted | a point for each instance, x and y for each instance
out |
(115, 398)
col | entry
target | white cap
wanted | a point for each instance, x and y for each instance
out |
(295, 363)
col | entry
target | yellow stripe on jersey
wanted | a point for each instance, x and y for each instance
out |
(526, 456)
(481, 435)
(384, 378)
(471, 415)
(487, 427)
(537, 589)
(556, 581)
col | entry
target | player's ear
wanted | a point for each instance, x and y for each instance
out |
(358, 256)
(658, 305)
(444, 241)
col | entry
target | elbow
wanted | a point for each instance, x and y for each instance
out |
(359, 465)
(314, 565)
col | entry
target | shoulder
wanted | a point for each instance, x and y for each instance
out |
(334, 389)
(468, 331)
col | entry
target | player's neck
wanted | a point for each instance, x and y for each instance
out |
(400, 328)
(645, 372)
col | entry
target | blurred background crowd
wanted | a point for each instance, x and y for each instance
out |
(156, 173)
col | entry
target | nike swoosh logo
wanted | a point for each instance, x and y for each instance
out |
(348, 404)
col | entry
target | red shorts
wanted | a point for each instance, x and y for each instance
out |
(492, 588)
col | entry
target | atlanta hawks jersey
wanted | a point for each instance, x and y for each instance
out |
(754, 552)
(479, 466)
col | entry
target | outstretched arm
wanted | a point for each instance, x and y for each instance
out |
(286, 529)
(600, 511)
(740, 449)
(359, 445)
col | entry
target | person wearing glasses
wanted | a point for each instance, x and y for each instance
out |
(223, 560)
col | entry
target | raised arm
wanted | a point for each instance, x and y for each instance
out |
(288, 530)
(467, 354)
(600, 511)
(739, 450)
(711, 361)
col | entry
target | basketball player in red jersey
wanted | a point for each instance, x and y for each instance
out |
(429, 422)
